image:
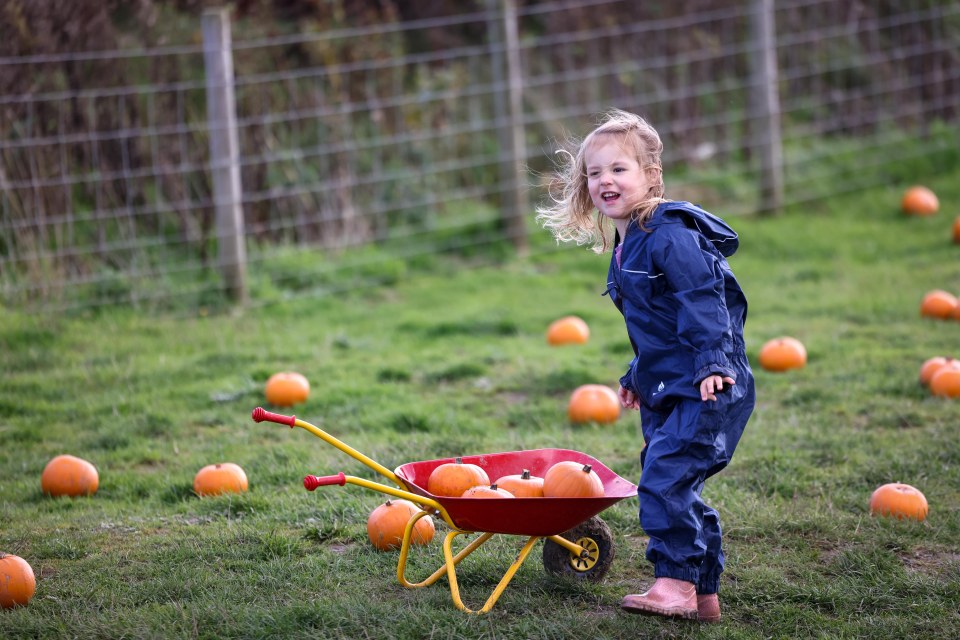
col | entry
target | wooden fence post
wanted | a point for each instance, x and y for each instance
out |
(766, 105)
(512, 135)
(224, 150)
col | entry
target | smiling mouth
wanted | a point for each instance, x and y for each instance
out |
(609, 196)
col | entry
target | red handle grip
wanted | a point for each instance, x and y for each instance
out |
(312, 482)
(260, 414)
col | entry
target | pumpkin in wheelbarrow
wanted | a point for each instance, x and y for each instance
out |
(570, 479)
(522, 485)
(453, 478)
(482, 491)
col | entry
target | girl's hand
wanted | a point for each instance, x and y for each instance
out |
(628, 399)
(712, 384)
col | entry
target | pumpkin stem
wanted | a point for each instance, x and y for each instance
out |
(526, 474)
(493, 486)
(587, 468)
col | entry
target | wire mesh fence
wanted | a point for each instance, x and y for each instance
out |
(363, 148)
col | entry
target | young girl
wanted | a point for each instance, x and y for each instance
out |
(684, 312)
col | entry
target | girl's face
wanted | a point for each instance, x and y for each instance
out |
(615, 180)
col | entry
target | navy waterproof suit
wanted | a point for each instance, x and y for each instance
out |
(684, 312)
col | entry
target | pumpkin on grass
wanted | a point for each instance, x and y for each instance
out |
(938, 304)
(900, 501)
(522, 485)
(453, 478)
(17, 582)
(570, 479)
(932, 365)
(568, 330)
(223, 477)
(286, 389)
(956, 230)
(946, 382)
(593, 403)
(919, 201)
(67, 475)
(782, 354)
(386, 524)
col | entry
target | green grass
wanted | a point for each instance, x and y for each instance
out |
(456, 362)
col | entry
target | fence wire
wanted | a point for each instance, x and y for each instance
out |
(368, 148)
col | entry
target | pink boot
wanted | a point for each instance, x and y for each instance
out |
(708, 608)
(667, 597)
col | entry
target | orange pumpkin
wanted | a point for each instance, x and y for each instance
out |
(522, 485)
(919, 201)
(946, 382)
(568, 330)
(782, 354)
(223, 477)
(453, 478)
(482, 491)
(593, 403)
(66, 475)
(570, 479)
(386, 525)
(932, 365)
(938, 304)
(900, 501)
(17, 582)
(286, 389)
(956, 230)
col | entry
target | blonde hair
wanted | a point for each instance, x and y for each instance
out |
(569, 215)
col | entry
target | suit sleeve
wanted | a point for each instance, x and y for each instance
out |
(626, 380)
(695, 278)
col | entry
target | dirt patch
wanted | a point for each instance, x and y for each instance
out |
(931, 562)
(512, 397)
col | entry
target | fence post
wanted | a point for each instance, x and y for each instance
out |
(766, 105)
(512, 136)
(224, 150)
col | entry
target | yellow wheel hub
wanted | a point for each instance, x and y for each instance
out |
(588, 561)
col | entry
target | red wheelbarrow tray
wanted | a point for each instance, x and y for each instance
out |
(520, 516)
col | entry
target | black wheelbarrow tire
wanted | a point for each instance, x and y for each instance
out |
(594, 535)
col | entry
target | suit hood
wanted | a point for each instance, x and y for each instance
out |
(718, 232)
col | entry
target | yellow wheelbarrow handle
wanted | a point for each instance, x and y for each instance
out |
(312, 482)
(260, 415)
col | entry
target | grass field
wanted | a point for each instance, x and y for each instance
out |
(455, 362)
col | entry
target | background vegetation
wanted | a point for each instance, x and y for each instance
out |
(450, 358)
(386, 123)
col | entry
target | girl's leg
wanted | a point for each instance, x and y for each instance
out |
(677, 460)
(708, 604)
(674, 593)
(734, 423)
(713, 561)
(693, 443)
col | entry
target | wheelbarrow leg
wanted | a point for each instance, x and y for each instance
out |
(436, 575)
(507, 577)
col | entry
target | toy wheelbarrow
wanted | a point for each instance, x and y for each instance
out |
(577, 543)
